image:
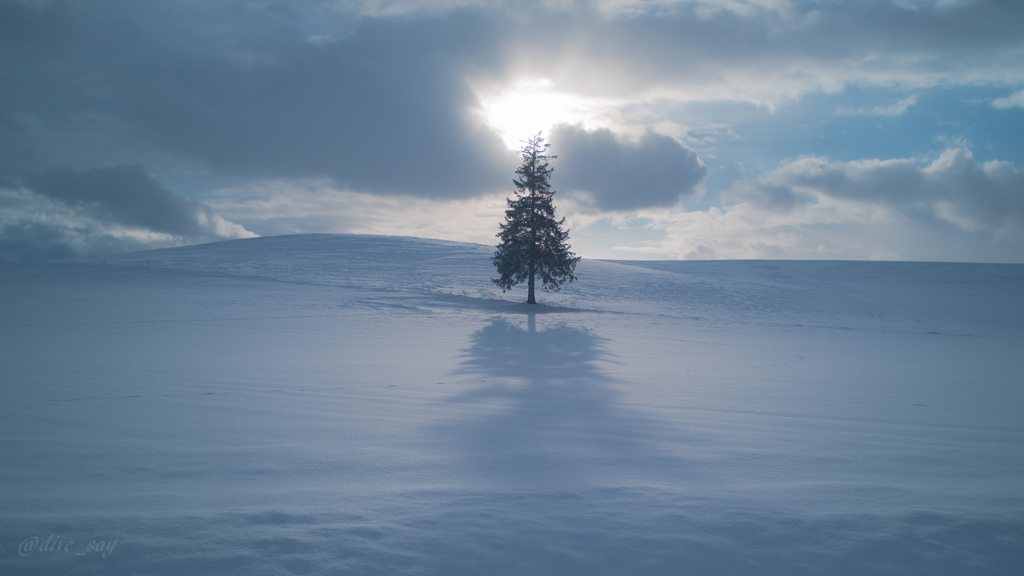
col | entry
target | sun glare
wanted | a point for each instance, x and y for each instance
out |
(529, 106)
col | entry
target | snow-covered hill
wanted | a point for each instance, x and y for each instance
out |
(340, 404)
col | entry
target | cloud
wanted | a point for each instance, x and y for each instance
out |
(380, 100)
(895, 109)
(289, 207)
(610, 8)
(1015, 100)
(382, 104)
(385, 108)
(67, 213)
(951, 199)
(828, 229)
(129, 196)
(953, 188)
(617, 175)
(35, 227)
(829, 232)
(380, 111)
(773, 57)
(946, 208)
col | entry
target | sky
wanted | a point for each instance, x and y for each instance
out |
(684, 129)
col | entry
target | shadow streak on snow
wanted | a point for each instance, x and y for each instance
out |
(547, 414)
(505, 350)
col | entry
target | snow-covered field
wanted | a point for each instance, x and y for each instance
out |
(372, 405)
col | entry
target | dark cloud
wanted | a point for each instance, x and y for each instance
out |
(383, 105)
(65, 213)
(32, 26)
(655, 171)
(770, 57)
(378, 97)
(385, 108)
(382, 111)
(34, 241)
(125, 195)
(58, 235)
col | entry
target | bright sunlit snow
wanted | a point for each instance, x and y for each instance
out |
(372, 405)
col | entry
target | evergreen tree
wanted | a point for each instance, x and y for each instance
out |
(532, 241)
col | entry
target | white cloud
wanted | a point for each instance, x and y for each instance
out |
(290, 207)
(895, 109)
(831, 229)
(37, 227)
(66, 213)
(1015, 100)
(779, 56)
(947, 208)
(608, 8)
(983, 197)
(814, 207)
(384, 105)
(767, 52)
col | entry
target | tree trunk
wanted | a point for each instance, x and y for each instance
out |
(529, 298)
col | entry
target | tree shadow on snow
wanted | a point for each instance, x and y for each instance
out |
(545, 413)
(505, 350)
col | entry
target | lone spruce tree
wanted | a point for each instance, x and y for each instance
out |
(532, 241)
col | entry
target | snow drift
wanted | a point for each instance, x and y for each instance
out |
(339, 404)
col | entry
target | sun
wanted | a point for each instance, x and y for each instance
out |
(526, 107)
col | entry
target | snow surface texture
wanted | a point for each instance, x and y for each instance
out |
(371, 405)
